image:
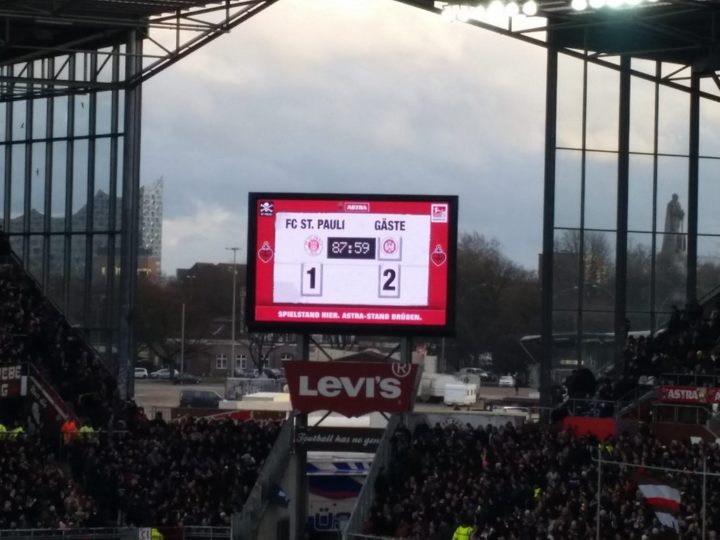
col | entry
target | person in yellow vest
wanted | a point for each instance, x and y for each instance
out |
(3, 431)
(15, 432)
(87, 433)
(155, 534)
(464, 530)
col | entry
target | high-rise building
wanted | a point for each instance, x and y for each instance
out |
(151, 218)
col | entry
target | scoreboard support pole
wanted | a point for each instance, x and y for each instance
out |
(406, 350)
(301, 489)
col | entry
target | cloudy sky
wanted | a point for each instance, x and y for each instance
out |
(366, 96)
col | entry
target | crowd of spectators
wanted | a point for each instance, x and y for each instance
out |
(35, 489)
(129, 471)
(34, 332)
(685, 352)
(191, 472)
(533, 483)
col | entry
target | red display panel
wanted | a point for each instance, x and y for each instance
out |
(351, 263)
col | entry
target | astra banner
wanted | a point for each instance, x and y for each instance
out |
(351, 388)
(694, 395)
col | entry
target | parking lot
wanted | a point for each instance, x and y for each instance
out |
(150, 393)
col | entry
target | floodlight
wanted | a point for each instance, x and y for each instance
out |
(530, 8)
(512, 9)
(496, 9)
(447, 13)
(463, 14)
(614, 3)
(579, 5)
(478, 13)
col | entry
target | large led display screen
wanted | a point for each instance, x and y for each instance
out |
(381, 264)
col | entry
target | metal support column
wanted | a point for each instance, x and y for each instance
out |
(300, 495)
(622, 212)
(130, 217)
(693, 175)
(548, 225)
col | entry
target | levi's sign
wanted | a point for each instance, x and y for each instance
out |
(351, 388)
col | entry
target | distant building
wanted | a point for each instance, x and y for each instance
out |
(149, 243)
(151, 218)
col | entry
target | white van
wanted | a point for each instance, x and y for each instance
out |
(460, 394)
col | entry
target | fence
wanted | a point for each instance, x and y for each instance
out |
(689, 379)
(236, 387)
(118, 533)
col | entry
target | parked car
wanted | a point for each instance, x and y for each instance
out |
(141, 373)
(164, 373)
(203, 399)
(507, 380)
(186, 378)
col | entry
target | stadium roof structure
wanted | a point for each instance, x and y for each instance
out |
(685, 33)
(40, 30)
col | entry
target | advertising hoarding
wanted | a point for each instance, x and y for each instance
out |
(361, 263)
(351, 388)
(691, 395)
(13, 382)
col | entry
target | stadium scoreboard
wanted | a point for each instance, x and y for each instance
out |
(351, 263)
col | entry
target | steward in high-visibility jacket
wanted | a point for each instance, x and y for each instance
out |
(3, 431)
(87, 433)
(463, 532)
(155, 534)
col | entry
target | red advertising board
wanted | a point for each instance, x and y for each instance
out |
(378, 264)
(693, 395)
(351, 388)
(12, 382)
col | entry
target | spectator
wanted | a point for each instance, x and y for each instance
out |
(533, 483)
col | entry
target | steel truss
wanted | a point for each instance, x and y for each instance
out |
(33, 67)
(682, 34)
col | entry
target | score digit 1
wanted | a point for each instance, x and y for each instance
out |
(311, 279)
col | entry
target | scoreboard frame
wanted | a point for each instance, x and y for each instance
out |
(256, 268)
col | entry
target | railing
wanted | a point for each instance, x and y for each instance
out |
(118, 533)
(236, 387)
(109, 533)
(589, 407)
(358, 536)
(49, 393)
(634, 398)
(689, 379)
(367, 492)
(246, 523)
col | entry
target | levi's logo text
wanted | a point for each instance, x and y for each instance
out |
(366, 386)
(351, 388)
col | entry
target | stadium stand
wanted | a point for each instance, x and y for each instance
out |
(33, 331)
(192, 472)
(126, 470)
(36, 491)
(534, 483)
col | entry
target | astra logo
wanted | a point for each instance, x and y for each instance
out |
(365, 387)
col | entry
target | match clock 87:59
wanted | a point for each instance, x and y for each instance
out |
(351, 248)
